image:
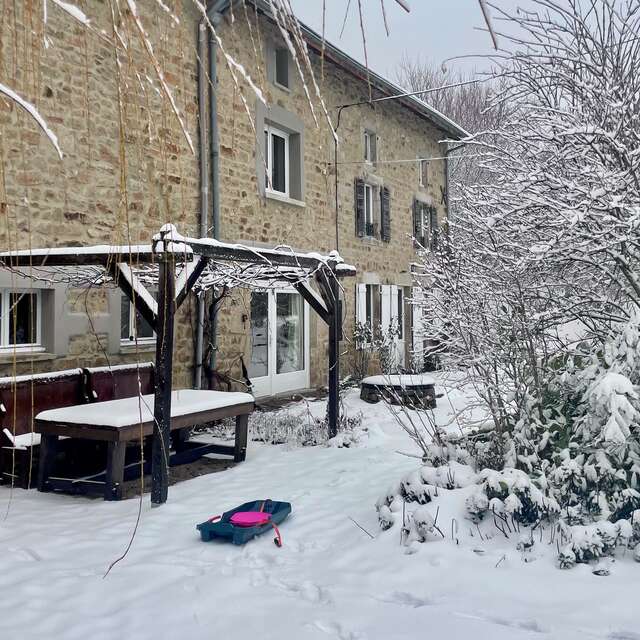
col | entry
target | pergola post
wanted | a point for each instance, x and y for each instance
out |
(334, 358)
(163, 380)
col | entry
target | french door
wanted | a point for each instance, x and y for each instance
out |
(279, 342)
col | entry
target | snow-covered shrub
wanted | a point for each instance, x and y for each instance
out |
(588, 543)
(301, 428)
(513, 494)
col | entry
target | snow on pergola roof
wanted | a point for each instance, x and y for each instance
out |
(182, 247)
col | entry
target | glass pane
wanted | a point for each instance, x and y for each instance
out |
(143, 328)
(290, 333)
(282, 67)
(125, 319)
(23, 319)
(259, 360)
(266, 160)
(278, 162)
(400, 314)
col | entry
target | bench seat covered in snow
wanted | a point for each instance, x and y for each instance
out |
(415, 389)
(123, 420)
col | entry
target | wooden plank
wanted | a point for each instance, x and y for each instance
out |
(164, 378)
(99, 256)
(115, 471)
(188, 278)
(131, 432)
(129, 284)
(313, 299)
(334, 362)
(48, 450)
(242, 430)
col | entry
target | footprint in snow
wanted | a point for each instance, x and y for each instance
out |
(407, 599)
(335, 629)
(527, 625)
(306, 590)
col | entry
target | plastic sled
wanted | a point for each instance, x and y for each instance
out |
(246, 522)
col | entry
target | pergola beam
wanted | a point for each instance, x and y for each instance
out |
(99, 255)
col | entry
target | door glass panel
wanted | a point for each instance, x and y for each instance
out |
(259, 361)
(290, 333)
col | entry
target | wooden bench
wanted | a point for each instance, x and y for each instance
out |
(123, 420)
(22, 398)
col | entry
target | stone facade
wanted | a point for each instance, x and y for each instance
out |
(127, 167)
(249, 216)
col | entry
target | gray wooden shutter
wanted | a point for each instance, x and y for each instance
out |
(385, 214)
(417, 221)
(359, 203)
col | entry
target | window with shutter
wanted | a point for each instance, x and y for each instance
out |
(385, 214)
(359, 198)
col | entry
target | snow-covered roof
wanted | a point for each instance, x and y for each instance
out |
(351, 65)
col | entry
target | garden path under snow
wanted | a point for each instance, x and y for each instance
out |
(330, 580)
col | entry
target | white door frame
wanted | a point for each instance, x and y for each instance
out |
(274, 383)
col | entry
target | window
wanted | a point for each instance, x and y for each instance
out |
(133, 326)
(425, 225)
(277, 160)
(369, 227)
(281, 75)
(423, 168)
(20, 319)
(373, 305)
(400, 313)
(370, 146)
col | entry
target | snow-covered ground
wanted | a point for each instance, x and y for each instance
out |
(329, 580)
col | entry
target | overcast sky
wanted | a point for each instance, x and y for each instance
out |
(434, 30)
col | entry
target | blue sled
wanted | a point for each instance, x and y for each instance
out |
(239, 535)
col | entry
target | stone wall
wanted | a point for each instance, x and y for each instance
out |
(127, 168)
(248, 216)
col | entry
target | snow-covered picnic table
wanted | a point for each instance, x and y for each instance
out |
(120, 421)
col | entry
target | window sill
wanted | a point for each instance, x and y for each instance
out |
(371, 240)
(130, 347)
(274, 195)
(281, 87)
(7, 357)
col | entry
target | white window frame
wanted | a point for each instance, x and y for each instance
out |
(369, 138)
(132, 331)
(423, 163)
(287, 86)
(5, 322)
(271, 131)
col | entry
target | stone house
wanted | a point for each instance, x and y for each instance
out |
(261, 173)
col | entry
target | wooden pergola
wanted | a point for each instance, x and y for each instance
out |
(169, 249)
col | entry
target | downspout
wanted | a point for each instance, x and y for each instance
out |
(215, 171)
(209, 153)
(204, 191)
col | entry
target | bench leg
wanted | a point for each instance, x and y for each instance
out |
(242, 428)
(115, 470)
(179, 438)
(48, 451)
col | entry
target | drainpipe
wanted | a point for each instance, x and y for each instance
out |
(215, 171)
(207, 56)
(204, 191)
